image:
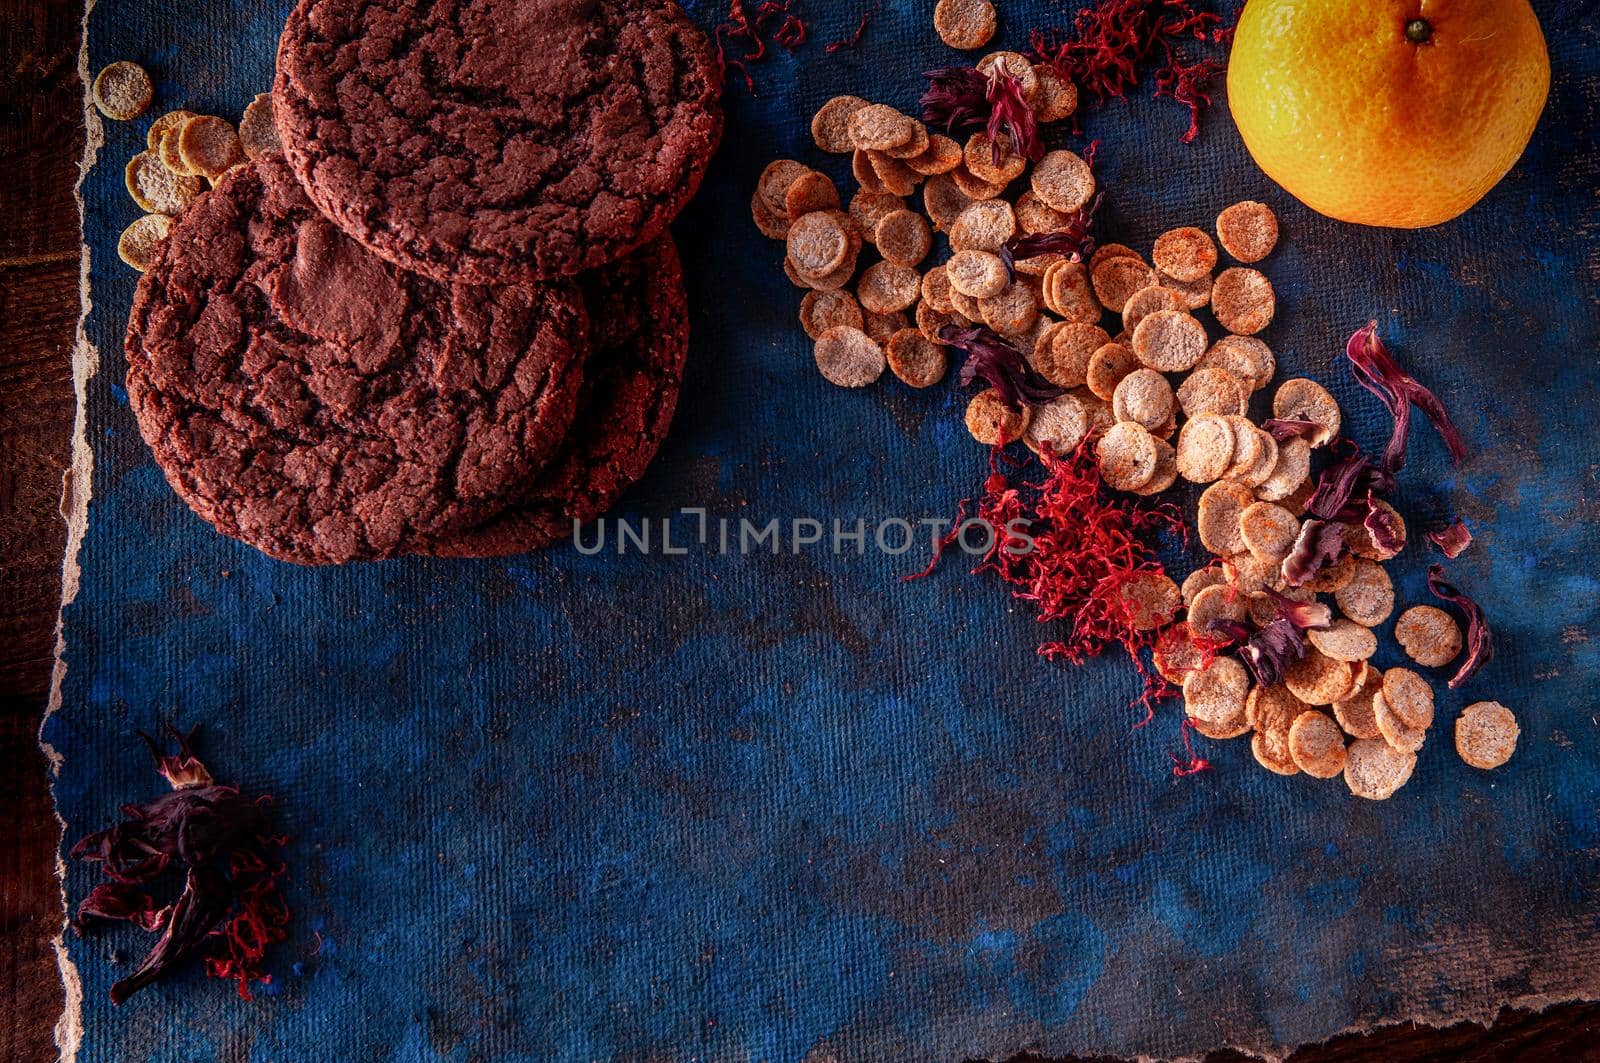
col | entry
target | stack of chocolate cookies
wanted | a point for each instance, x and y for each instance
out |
(449, 318)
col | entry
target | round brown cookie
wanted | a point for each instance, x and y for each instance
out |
(316, 402)
(630, 389)
(498, 141)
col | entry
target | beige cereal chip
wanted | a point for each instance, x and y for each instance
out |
(1299, 399)
(1060, 424)
(1057, 98)
(1065, 360)
(821, 311)
(209, 145)
(1168, 341)
(1144, 397)
(1409, 697)
(1166, 473)
(1100, 416)
(1221, 602)
(943, 200)
(773, 184)
(1212, 390)
(1109, 364)
(167, 123)
(1332, 578)
(1251, 574)
(122, 91)
(849, 357)
(893, 175)
(1148, 599)
(1375, 771)
(1291, 472)
(1256, 444)
(882, 327)
(915, 359)
(1068, 292)
(1269, 532)
(830, 126)
(258, 129)
(1368, 598)
(966, 306)
(1011, 313)
(1271, 750)
(1360, 539)
(1355, 713)
(167, 151)
(1033, 216)
(978, 274)
(1195, 294)
(869, 208)
(1317, 745)
(1245, 357)
(157, 189)
(811, 191)
(940, 156)
(964, 24)
(1212, 575)
(1105, 251)
(913, 148)
(1176, 654)
(936, 289)
(139, 242)
(1273, 709)
(1429, 635)
(930, 321)
(1216, 693)
(1248, 231)
(1146, 301)
(992, 422)
(983, 226)
(877, 127)
(1486, 734)
(1064, 182)
(865, 174)
(794, 276)
(1127, 455)
(817, 244)
(1318, 679)
(772, 225)
(1217, 518)
(972, 186)
(903, 237)
(1243, 300)
(1400, 735)
(1185, 254)
(1205, 449)
(1344, 640)
(984, 163)
(838, 278)
(1263, 607)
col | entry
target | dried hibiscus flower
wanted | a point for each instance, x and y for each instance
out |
(1380, 374)
(1480, 641)
(1267, 651)
(999, 363)
(1385, 528)
(1321, 543)
(1303, 615)
(1452, 541)
(229, 908)
(1075, 239)
(1345, 486)
(963, 99)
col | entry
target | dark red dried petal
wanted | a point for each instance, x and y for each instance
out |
(202, 905)
(1480, 640)
(1303, 615)
(181, 769)
(1283, 430)
(1010, 115)
(1268, 651)
(1377, 371)
(1075, 239)
(117, 902)
(957, 99)
(1384, 528)
(1343, 486)
(1321, 543)
(1453, 540)
(1002, 365)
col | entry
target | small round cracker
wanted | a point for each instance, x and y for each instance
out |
(1242, 300)
(809, 192)
(886, 287)
(157, 189)
(1290, 472)
(1205, 449)
(848, 357)
(936, 289)
(1127, 455)
(1175, 653)
(1109, 364)
(930, 321)
(1149, 599)
(913, 148)
(1035, 216)
(978, 274)
(1318, 679)
(1368, 598)
(1168, 341)
(830, 126)
(1144, 397)
(1117, 278)
(1068, 292)
(1220, 602)
(1217, 693)
(1012, 312)
(209, 145)
(903, 237)
(1217, 517)
(1486, 734)
(1399, 734)
(1269, 531)
(1317, 745)
(1273, 709)
(994, 161)
(1374, 770)
(1063, 181)
(1299, 399)
(1184, 254)
(167, 123)
(1212, 575)
(139, 242)
(817, 244)
(914, 359)
(943, 200)
(894, 175)
(1061, 424)
(940, 156)
(1429, 635)
(821, 311)
(1064, 361)
(1212, 390)
(1246, 357)
(1147, 301)
(1344, 640)
(1271, 750)
(258, 128)
(1057, 98)
(983, 226)
(883, 326)
(1409, 697)
(870, 208)
(1248, 231)
(122, 91)
(1355, 713)
(964, 24)
(877, 127)
(972, 186)
(1330, 579)
(1194, 294)
(1166, 473)
(992, 422)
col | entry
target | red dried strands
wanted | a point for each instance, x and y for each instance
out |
(746, 32)
(853, 41)
(1086, 543)
(1110, 40)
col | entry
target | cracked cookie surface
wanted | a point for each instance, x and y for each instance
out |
(498, 140)
(307, 397)
(630, 389)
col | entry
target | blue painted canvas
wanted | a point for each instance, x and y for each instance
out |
(729, 806)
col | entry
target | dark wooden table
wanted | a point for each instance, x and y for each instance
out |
(41, 142)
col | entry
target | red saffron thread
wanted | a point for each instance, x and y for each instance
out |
(749, 32)
(853, 41)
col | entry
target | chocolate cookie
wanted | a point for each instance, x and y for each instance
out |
(630, 388)
(309, 398)
(496, 141)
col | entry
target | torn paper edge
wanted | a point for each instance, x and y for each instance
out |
(77, 487)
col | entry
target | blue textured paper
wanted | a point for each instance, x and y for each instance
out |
(723, 807)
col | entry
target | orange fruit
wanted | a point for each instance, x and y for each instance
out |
(1401, 113)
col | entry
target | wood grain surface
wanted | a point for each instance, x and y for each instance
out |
(41, 142)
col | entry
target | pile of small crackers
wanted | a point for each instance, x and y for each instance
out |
(1159, 400)
(185, 154)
